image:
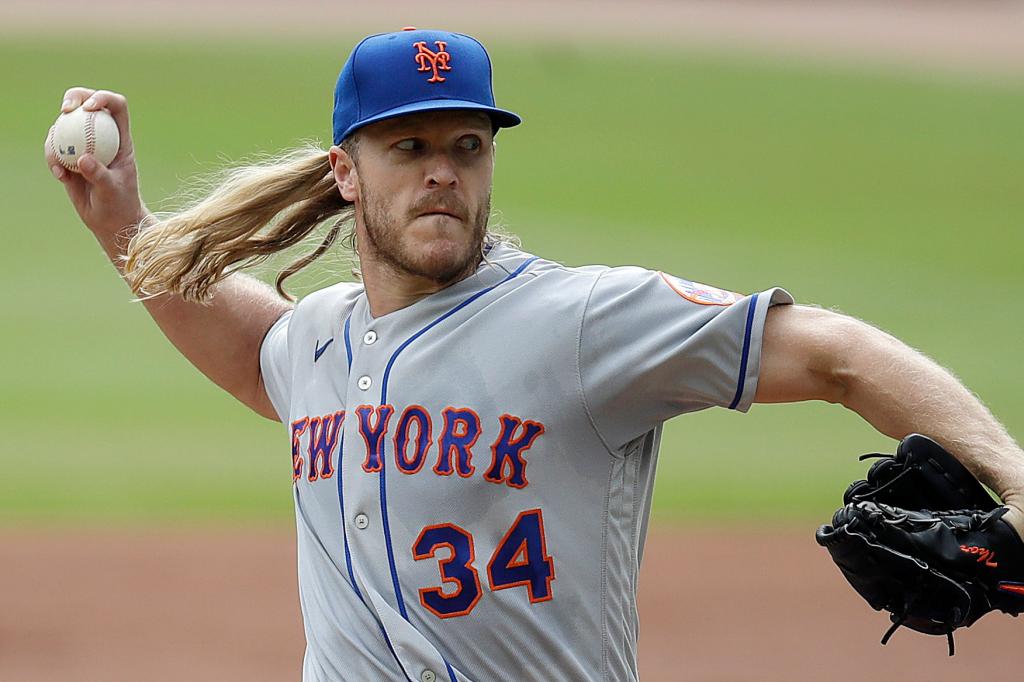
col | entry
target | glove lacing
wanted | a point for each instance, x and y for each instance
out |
(899, 623)
(888, 484)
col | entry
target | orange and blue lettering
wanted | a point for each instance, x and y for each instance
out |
(457, 569)
(509, 449)
(461, 431)
(298, 427)
(414, 414)
(522, 558)
(372, 431)
(323, 437)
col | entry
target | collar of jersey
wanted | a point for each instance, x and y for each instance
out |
(500, 261)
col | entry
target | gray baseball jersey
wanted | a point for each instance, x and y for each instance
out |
(473, 473)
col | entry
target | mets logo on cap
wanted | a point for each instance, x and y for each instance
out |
(428, 60)
(703, 294)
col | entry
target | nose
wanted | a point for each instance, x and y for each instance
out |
(441, 172)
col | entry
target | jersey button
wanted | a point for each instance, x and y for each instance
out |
(370, 338)
(428, 676)
(362, 521)
(364, 382)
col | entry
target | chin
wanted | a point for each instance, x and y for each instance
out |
(450, 264)
(443, 260)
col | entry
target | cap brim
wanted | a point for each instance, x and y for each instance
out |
(501, 118)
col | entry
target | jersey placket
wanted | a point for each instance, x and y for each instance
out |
(358, 498)
(371, 348)
(359, 495)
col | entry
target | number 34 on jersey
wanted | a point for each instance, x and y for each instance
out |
(520, 560)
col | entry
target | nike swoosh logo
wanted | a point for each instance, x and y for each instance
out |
(320, 349)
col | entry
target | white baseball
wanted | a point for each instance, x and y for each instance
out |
(84, 132)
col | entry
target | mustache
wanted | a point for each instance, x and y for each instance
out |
(446, 202)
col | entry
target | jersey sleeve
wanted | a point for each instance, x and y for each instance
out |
(275, 366)
(653, 346)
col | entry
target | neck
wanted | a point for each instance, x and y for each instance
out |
(388, 290)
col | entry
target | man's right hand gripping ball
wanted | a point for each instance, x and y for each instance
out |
(922, 539)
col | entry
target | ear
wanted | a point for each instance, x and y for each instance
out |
(345, 174)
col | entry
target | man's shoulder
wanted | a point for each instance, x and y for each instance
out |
(512, 258)
(335, 298)
(622, 283)
(559, 272)
(615, 280)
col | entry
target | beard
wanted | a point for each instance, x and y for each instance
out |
(442, 260)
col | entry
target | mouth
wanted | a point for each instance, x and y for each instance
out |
(440, 212)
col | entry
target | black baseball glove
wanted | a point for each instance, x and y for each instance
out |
(923, 540)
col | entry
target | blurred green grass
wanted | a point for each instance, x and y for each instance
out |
(892, 196)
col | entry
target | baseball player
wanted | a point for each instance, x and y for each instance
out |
(473, 429)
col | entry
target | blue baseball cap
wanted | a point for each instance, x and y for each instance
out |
(393, 74)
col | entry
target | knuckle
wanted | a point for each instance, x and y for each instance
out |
(78, 92)
(110, 100)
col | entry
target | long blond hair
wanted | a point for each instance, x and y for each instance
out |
(247, 215)
(251, 213)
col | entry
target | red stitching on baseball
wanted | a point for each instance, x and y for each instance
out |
(53, 148)
(90, 133)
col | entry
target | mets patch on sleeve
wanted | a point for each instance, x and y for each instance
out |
(704, 294)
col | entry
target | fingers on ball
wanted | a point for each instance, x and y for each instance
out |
(73, 98)
(91, 100)
(113, 102)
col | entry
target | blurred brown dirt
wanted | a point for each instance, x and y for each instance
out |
(715, 606)
(977, 36)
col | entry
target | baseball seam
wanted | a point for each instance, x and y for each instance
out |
(56, 155)
(90, 132)
(90, 142)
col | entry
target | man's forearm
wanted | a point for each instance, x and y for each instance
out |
(900, 391)
(221, 337)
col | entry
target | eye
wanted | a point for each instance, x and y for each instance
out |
(470, 143)
(410, 144)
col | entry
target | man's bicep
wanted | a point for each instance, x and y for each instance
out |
(261, 403)
(802, 355)
(272, 364)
